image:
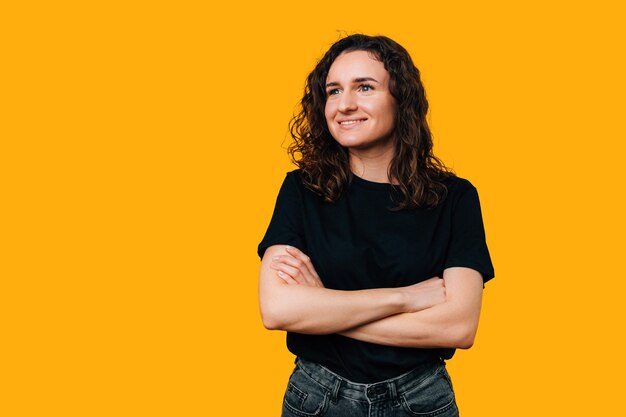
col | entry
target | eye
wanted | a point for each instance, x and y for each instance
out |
(332, 92)
(366, 87)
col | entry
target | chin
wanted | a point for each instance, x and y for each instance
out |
(362, 144)
(356, 144)
(350, 140)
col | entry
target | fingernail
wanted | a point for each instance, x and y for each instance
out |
(275, 258)
(281, 273)
(287, 247)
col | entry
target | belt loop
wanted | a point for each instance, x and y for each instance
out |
(335, 392)
(393, 393)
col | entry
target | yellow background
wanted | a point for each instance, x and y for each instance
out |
(142, 148)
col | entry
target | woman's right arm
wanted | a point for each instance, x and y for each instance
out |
(317, 310)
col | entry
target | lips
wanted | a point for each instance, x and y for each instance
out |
(351, 122)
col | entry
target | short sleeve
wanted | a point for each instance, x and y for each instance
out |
(286, 226)
(468, 245)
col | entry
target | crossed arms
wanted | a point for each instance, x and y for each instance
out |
(433, 313)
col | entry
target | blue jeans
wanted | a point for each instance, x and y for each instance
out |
(314, 390)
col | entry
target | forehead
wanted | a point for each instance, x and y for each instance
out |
(356, 64)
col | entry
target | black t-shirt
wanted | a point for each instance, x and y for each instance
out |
(358, 243)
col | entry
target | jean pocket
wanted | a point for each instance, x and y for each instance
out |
(304, 396)
(433, 396)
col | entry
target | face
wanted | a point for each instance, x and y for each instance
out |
(360, 110)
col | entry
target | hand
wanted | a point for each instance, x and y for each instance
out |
(296, 268)
(424, 294)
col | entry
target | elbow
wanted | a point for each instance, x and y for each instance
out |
(272, 319)
(268, 322)
(465, 343)
(272, 313)
(465, 338)
(271, 323)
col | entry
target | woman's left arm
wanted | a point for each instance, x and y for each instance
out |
(451, 324)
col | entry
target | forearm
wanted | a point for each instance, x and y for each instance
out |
(437, 326)
(298, 301)
(452, 323)
(315, 310)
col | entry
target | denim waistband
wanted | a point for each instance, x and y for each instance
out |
(388, 389)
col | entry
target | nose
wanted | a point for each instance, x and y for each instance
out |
(347, 102)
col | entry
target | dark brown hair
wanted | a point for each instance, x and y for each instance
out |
(324, 163)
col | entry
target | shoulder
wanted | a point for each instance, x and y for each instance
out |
(293, 179)
(458, 185)
(460, 192)
(293, 184)
(296, 180)
(295, 175)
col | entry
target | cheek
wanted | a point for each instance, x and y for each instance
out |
(329, 113)
(328, 109)
(390, 113)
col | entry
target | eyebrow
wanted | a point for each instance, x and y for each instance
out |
(356, 80)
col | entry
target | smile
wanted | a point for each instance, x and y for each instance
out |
(351, 122)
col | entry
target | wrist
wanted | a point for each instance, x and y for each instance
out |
(400, 300)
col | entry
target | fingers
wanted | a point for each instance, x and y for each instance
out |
(292, 267)
(293, 272)
(297, 260)
(285, 277)
(298, 266)
(426, 294)
(291, 261)
(301, 256)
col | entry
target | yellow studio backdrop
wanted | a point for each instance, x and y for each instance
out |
(143, 146)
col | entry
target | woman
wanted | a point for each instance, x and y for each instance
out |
(375, 258)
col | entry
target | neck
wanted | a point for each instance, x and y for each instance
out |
(372, 166)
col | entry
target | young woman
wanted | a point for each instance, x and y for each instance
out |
(375, 258)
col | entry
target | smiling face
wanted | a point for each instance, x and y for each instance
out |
(360, 111)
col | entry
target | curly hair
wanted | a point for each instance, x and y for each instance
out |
(324, 163)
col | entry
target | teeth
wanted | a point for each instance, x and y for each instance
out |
(351, 122)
